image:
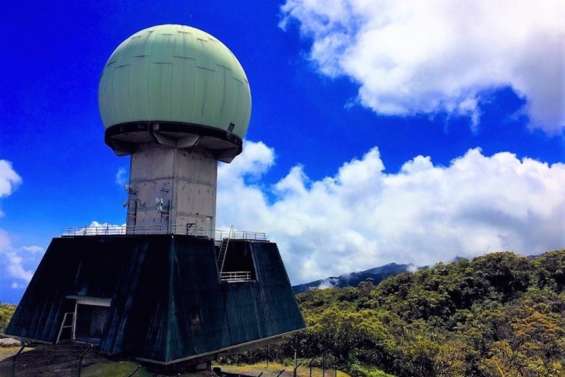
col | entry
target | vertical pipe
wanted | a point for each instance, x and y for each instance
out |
(295, 364)
(16, 356)
(74, 329)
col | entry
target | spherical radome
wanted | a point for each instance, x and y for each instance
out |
(177, 74)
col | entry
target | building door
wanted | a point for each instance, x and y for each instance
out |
(91, 316)
(90, 322)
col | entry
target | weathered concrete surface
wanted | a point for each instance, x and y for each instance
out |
(171, 190)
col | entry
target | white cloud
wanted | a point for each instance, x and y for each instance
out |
(122, 177)
(98, 228)
(9, 180)
(16, 268)
(412, 268)
(33, 249)
(440, 55)
(363, 217)
(16, 285)
(12, 260)
(326, 284)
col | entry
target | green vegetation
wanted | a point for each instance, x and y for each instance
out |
(498, 315)
(6, 312)
(273, 368)
(115, 369)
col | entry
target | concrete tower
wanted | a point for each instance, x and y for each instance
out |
(177, 100)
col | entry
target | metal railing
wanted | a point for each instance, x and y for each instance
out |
(235, 276)
(218, 234)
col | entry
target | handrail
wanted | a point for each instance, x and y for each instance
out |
(218, 234)
(235, 276)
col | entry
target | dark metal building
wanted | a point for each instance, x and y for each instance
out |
(157, 298)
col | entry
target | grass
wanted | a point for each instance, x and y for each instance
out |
(274, 368)
(114, 369)
(6, 312)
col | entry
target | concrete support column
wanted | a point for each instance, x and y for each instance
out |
(171, 190)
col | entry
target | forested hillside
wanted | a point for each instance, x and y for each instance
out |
(498, 315)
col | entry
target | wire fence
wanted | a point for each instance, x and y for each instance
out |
(216, 234)
(71, 359)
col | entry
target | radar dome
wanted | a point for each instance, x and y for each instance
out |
(173, 76)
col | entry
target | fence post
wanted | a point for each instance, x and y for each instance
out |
(295, 364)
(23, 345)
(82, 355)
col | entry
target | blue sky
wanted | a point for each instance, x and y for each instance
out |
(317, 107)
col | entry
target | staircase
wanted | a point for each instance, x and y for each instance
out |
(67, 323)
(223, 251)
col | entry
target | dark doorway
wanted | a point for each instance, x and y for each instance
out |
(239, 260)
(91, 321)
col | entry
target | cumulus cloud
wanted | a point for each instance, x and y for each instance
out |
(363, 217)
(9, 180)
(98, 228)
(10, 259)
(441, 55)
(15, 264)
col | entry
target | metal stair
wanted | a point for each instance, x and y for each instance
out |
(223, 252)
(65, 325)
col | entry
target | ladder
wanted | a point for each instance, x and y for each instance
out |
(223, 251)
(65, 325)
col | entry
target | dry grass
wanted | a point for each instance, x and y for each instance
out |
(275, 368)
(6, 312)
(6, 352)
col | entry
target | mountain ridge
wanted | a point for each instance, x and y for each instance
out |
(376, 274)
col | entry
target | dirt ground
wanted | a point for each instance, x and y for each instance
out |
(45, 361)
(62, 360)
